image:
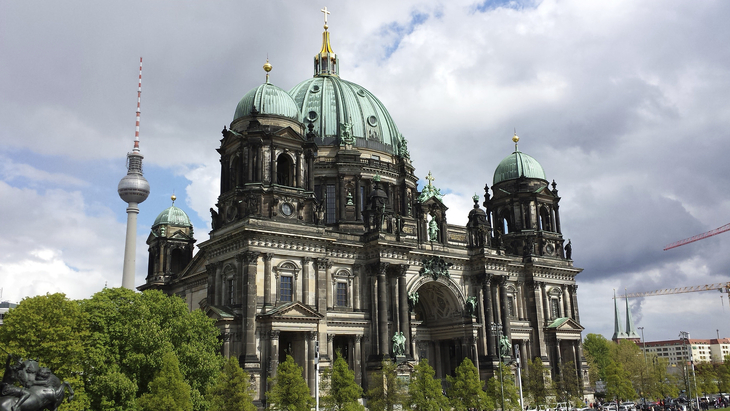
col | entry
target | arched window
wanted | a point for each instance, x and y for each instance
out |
(284, 170)
(177, 261)
(506, 224)
(286, 282)
(545, 219)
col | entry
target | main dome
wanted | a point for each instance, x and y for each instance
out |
(329, 102)
(267, 99)
(516, 165)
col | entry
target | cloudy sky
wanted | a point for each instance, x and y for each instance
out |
(624, 103)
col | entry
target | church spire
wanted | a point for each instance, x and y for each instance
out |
(618, 332)
(630, 329)
(326, 62)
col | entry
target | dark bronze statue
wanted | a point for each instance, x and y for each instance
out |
(26, 386)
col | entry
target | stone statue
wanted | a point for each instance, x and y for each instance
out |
(346, 138)
(39, 388)
(412, 300)
(505, 346)
(399, 344)
(403, 149)
(471, 306)
(433, 230)
(214, 219)
(568, 250)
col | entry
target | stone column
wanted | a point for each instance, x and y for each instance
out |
(356, 270)
(557, 220)
(357, 354)
(306, 278)
(524, 357)
(545, 302)
(323, 265)
(341, 200)
(489, 305)
(267, 279)
(250, 260)
(249, 164)
(566, 302)
(383, 337)
(404, 317)
(358, 211)
(274, 166)
(311, 348)
(573, 288)
(540, 321)
(520, 299)
(298, 170)
(260, 164)
(227, 343)
(274, 349)
(330, 347)
(437, 361)
(482, 320)
(219, 285)
(506, 327)
(474, 351)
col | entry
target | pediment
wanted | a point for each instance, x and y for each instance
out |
(564, 324)
(294, 311)
(290, 134)
(434, 201)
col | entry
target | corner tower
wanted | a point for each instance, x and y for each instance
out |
(133, 189)
(170, 244)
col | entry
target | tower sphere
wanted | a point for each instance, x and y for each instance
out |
(133, 188)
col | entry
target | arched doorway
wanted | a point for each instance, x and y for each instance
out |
(442, 330)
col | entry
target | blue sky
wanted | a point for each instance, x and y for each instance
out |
(623, 103)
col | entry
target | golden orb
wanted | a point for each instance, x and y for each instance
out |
(173, 198)
(515, 138)
(267, 66)
(326, 27)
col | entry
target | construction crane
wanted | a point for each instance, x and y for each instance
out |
(698, 237)
(722, 287)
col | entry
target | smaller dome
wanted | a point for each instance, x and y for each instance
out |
(173, 216)
(516, 165)
(267, 99)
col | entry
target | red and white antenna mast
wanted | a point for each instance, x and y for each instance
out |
(139, 100)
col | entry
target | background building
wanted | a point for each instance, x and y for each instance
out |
(320, 235)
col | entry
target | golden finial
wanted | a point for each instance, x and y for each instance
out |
(326, 12)
(173, 198)
(515, 138)
(267, 68)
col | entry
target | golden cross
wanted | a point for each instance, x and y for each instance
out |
(430, 178)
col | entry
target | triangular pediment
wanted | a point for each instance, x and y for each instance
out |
(294, 311)
(289, 133)
(565, 324)
(435, 202)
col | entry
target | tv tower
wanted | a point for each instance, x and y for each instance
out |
(133, 189)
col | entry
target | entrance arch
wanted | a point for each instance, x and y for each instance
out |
(442, 332)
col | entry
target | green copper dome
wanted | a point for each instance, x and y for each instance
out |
(173, 216)
(329, 102)
(516, 165)
(268, 99)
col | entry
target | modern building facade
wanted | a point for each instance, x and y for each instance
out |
(681, 351)
(321, 238)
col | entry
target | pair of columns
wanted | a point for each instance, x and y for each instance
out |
(402, 314)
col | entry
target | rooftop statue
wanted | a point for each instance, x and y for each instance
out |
(26, 386)
(399, 344)
(430, 190)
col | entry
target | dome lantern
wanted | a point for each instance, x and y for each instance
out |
(326, 62)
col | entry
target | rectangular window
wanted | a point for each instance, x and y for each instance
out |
(554, 307)
(285, 288)
(362, 199)
(331, 204)
(511, 306)
(341, 294)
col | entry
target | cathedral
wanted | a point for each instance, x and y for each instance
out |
(322, 243)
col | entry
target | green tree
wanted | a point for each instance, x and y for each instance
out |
(566, 384)
(628, 354)
(168, 391)
(533, 383)
(289, 391)
(723, 375)
(707, 378)
(231, 391)
(425, 392)
(466, 388)
(618, 383)
(387, 388)
(342, 392)
(495, 389)
(597, 350)
(52, 329)
(131, 332)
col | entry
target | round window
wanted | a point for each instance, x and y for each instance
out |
(361, 93)
(373, 121)
(315, 89)
(312, 115)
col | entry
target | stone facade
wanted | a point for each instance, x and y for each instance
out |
(327, 241)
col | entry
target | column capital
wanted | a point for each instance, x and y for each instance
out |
(358, 338)
(402, 269)
(274, 334)
(323, 263)
(330, 337)
(379, 268)
(248, 257)
(312, 335)
(268, 257)
(307, 260)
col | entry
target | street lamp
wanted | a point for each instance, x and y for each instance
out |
(684, 335)
(497, 328)
(519, 375)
